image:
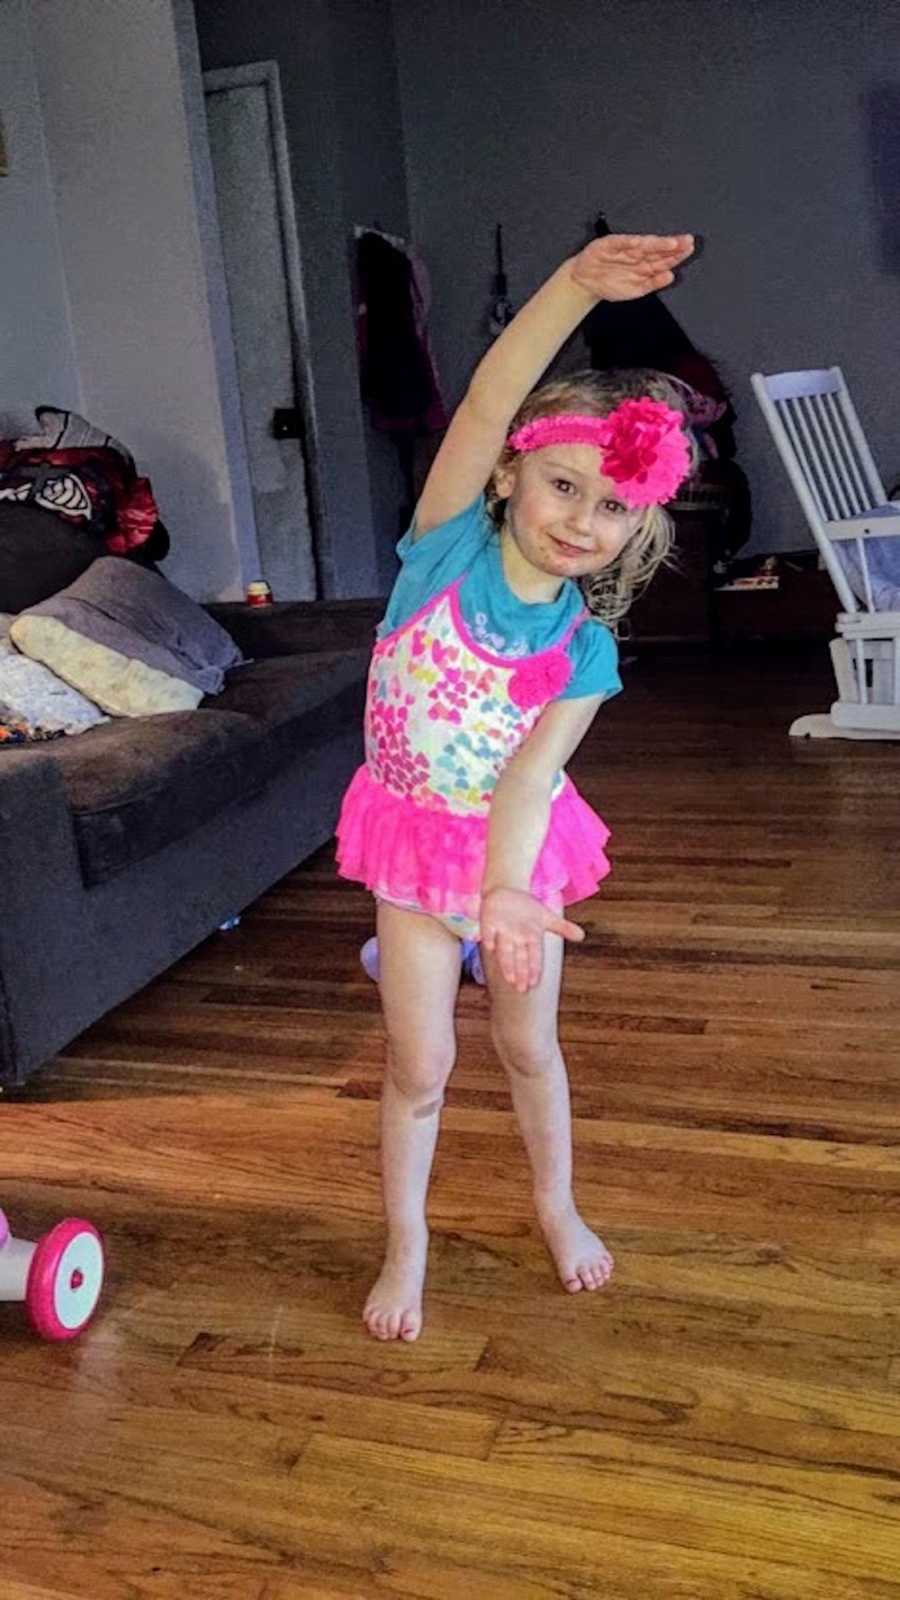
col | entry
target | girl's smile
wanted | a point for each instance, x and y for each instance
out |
(575, 550)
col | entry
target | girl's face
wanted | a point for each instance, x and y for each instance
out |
(566, 520)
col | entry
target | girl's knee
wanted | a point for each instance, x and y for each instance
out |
(421, 1077)
(526, 1054)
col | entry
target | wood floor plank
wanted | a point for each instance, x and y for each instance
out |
(521, 1516)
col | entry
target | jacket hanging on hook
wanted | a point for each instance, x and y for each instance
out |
(398, 372)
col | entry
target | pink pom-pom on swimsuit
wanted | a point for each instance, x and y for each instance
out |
(642, 443)
(443, 718)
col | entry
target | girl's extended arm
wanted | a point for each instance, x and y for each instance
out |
(619, 267)
(513, 922)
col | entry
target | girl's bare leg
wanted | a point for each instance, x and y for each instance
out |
(525, 1036)
(419, 978)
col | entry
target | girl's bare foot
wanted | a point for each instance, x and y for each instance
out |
(582, 1260)
(394, 1307)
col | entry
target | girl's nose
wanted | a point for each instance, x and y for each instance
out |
(581, 521)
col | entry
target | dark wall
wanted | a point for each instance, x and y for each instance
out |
(751, 121)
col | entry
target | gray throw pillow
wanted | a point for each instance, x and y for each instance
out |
(129, 640)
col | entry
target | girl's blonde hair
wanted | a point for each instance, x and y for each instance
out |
(608, 594)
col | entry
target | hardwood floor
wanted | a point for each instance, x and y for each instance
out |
(723, 1423)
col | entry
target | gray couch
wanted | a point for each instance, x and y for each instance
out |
(123, 847)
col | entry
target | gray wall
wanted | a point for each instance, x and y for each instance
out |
(343, 125)
(37, 351)
(746, 120)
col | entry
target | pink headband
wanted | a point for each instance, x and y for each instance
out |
(642, 445)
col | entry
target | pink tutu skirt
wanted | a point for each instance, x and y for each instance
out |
(434, 859)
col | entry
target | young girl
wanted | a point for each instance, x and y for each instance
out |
(486, 675)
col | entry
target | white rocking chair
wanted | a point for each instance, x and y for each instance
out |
(818, 436)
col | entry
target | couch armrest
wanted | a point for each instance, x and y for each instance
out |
(41, 892)
(299, 627)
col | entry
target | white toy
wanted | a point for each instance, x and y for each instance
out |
(59, 1278)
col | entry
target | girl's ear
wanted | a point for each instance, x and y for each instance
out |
(504, 480)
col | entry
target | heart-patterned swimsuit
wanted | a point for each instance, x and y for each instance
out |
(443, 717)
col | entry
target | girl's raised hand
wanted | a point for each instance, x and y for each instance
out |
(513, 924)
(625, 266)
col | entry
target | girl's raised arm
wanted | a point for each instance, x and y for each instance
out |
(619, 267)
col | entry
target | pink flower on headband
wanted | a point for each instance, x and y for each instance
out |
(646, 453)
(642, 443)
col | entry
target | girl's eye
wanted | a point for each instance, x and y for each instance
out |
(615, 507)
(563, 485)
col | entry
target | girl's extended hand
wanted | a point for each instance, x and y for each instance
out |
(625, 266)
(513, 924)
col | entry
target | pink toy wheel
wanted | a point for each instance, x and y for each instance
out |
(64, 1279)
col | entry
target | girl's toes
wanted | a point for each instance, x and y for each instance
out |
(410, 1327)
(574, 1285)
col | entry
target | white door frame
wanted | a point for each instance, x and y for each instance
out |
(265, 75)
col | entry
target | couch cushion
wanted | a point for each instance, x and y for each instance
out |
(298, 627)
(136, 785)
(298, 700)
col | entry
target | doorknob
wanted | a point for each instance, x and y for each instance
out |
(287, 423)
